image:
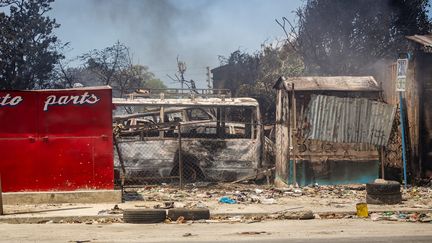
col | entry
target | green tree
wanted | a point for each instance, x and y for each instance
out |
(113, 66)
(239, 68)
(154, 83)
(254, 75)
(28, 47)
(339, 37)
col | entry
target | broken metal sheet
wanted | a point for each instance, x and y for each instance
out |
(349, 120)
(425, 40)
(336, 83)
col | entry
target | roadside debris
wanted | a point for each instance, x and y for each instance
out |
(168, 205)
(339, 196)
(362, 210)
(383, 192)
(402, 217)
(114, 210)
(227, 200)
(253, 233)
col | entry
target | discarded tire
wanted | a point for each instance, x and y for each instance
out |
(384, 198)
(383, 192)
(189, 214)
(388, 187)
(144, 216)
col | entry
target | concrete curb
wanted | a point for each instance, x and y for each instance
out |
(118, 217)
(58, 219)
(90, 196)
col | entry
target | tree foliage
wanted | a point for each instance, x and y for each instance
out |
(28, 47)
(113, 66)
(240, 68)
(253, 75)
(339, 37)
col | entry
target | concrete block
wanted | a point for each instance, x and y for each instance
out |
(93, 196)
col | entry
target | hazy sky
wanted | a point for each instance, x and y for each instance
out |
(159, 30)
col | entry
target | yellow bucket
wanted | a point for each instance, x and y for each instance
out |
(362, 210)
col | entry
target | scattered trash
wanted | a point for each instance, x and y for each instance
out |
(402, 217)
(258, 191)
(268, 201)
(181, 220)
(252, 232)
(227, 200)
(168, 205)
(115, 210)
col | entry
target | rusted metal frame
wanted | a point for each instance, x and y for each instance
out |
(162, 119)
(1, 198)
(223, 118)
(218, 122)
(180, 156)
(181, 92)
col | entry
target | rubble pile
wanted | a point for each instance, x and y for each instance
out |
(243, 193)
(418, 195)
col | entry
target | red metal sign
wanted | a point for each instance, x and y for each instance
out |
(56, 139)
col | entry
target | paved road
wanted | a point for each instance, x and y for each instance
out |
(386, 239)
(347, 230)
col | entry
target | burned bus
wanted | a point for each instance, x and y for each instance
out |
(217, 138)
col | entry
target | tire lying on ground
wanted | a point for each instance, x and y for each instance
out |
(384, 198)
(144, 216)
(385, 192)
(387, 187)
(189, 214)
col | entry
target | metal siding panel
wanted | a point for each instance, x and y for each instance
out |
(349, 120)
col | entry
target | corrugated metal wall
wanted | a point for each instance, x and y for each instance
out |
(349, 120)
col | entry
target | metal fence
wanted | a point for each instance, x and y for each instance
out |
(180, 153)
(147, 159)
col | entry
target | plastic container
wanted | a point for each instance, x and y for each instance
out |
(362, 210)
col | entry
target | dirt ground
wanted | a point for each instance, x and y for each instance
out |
(250, 203)
(243, 195)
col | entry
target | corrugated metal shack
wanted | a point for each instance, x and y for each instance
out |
(342, 155)
(418, 103)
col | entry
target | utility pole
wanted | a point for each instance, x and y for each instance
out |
(402, 67)
(181, 69)
(209, 79)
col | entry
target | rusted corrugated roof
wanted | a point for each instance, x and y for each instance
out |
(425, 40)
(349, 120)
(335, 83)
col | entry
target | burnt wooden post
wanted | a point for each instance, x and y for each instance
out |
(282, 136)
(293, 145)
(1, 198)
(180, 159)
